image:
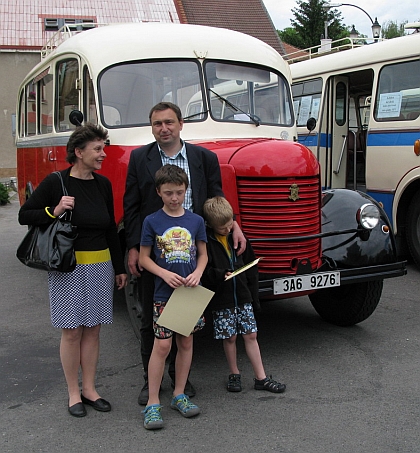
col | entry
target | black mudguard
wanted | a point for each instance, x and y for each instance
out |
(354, 250)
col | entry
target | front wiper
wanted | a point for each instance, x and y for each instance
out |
(235, 108)
(195, 114)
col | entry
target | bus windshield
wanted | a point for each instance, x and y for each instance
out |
(245, 93)
(129, 90)
(235, 92)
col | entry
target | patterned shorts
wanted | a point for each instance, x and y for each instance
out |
(234, 321)
(162, 332)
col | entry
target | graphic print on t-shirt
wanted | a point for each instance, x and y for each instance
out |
(176, 245)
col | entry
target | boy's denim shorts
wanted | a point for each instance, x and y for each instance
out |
(234, 321)
(164, 333)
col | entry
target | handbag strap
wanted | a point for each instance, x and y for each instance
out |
(66, 215)
(65, 193)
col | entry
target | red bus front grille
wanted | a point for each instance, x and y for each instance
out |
(267, 211)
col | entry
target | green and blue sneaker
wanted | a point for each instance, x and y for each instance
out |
(183, 404)
(152, 417)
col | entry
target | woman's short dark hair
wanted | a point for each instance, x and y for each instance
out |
(165, 106)
(171, 174)
(81, 136)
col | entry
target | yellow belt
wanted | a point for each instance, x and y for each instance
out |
(98, 256)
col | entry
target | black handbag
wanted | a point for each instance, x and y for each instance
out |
(50, 247)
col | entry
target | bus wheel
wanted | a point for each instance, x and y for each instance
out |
(413, 228)
(132, 301)
(348, 304)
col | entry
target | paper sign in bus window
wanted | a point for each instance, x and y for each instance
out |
(316, 102)
(305, 108)
(389, 105)
(296, 103)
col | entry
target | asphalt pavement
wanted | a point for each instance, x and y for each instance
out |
(349, 390)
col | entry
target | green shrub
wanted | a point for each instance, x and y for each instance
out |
(4, 195)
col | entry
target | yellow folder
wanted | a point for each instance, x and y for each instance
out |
(184, 308)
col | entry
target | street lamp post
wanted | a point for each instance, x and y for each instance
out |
(376, 28)
(353, 33)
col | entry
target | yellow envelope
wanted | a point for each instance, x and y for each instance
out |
(243, 268)
(184, 308)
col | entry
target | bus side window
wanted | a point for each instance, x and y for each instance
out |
(31, 103)
(413, 115)
(341, 104)
(307, 100)
(398, 93)
(47, 102)
(67, 93)
(21, 115)
(89, 98)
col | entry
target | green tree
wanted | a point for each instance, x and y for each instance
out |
(309, 24)
(291, 36)
(391, 29)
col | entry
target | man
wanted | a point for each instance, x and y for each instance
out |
(141, 199)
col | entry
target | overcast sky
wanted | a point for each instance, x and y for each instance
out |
(385, 10)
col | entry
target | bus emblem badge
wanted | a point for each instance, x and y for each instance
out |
(294, 192)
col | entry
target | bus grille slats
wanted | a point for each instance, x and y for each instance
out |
(268, 212)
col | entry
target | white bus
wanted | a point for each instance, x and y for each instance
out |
(366, 102)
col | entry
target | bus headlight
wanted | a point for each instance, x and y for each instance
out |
(368, 216)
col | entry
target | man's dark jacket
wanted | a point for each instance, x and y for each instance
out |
(141, 198)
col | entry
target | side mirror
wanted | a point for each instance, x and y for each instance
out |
(76, 117)
(311, 124)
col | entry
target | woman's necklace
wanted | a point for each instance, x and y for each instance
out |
(85, 177)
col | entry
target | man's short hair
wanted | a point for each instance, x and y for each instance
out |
(165, 106)
(171, 174)
(217, 211)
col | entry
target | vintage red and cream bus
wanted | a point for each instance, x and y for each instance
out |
(234, 91)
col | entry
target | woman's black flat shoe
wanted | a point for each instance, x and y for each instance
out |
(100, 404)
(77, 410)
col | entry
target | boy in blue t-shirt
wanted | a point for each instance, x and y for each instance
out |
(177, 238)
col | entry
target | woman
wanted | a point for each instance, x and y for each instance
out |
(81, 300)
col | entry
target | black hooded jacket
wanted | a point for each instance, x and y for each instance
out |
(238, 290)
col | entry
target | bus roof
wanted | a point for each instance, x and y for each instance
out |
(110, 44)
(404, 47)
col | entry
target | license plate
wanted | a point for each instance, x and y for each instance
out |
(307, 282)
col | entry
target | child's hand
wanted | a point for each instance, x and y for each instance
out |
(193, 279)
(172, 279)
(227, 274)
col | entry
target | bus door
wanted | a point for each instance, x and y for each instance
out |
(335, 124)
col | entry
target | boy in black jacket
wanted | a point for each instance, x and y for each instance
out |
(232, 304)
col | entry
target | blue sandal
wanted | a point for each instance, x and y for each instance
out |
(183, 404)
(152, 417)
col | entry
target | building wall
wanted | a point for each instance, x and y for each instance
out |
(22, 35)
(13, 68)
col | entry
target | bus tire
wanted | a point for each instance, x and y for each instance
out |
(348, 304)
(132, 301)
(413, 228)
